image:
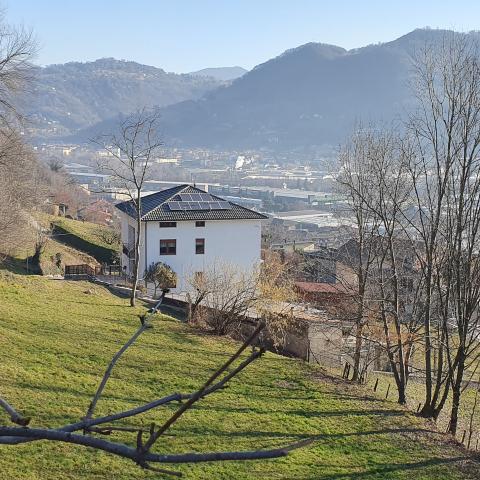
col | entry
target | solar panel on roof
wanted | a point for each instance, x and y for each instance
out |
(173, 205)
(199, 205)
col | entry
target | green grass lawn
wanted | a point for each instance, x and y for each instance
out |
(57, 337)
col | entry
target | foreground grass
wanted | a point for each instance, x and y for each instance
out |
(56, 338)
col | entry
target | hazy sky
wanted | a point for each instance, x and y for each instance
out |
(186, 35)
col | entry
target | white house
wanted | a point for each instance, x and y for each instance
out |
(191, 231)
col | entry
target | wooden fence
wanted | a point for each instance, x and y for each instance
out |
(81, 270)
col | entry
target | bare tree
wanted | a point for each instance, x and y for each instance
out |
(441, 150)
(355, 183)
(144, 440)
(18, 48)
(130, 153)
(110, 236)
(423, 198)
(22, 190)
(21, 182)
(375, 179)
(222, 296)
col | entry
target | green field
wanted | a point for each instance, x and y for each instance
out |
(56, 338)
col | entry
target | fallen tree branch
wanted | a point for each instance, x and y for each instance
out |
(144, 326)
(201, 392)
(125, 451)
(85, 424)
(142, 454)
(15, 417)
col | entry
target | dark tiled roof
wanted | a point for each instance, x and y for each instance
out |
(155, 208)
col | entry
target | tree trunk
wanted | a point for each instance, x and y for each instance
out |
(137, 250)
(428, 409)
(456, 395)
(358, 351)
(402, 396)
(453, 424)
(359, 324)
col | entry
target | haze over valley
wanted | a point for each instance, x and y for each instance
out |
(307, 97)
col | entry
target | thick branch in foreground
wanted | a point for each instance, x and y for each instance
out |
(141, 454)
(201, 392)
(132, 453)
(15, 417)
(144, 325)
(87, 424)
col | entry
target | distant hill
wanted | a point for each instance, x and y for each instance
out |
(223, 74)
(311, 95)
(69, 97)
(308, 96)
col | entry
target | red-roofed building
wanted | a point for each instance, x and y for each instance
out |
(325, 294)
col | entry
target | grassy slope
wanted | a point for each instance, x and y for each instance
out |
(69, 256)
(416, 395)
(55, 341)
(92, 232)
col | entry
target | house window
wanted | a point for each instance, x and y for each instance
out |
(200, 246)
(199, 278)
(168, 224)
(168, 247)
(199, 223)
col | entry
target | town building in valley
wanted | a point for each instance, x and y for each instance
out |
(192, 231)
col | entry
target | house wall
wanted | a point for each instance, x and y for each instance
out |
(227, 242)
(326, 343)
(126, 220)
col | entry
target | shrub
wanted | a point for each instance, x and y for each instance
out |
(161, 275)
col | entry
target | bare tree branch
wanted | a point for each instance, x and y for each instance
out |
(133, 454)
(144, 326)
(15, 417)
(200, 392)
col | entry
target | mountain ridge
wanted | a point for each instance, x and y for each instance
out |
(75, 95)
(308, 96)
(222, 74)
